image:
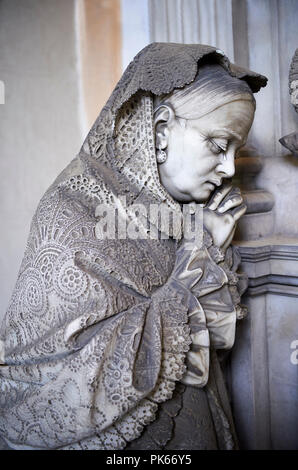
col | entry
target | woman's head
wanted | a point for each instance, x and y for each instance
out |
(200, 128)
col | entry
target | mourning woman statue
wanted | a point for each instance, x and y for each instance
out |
(111, 339)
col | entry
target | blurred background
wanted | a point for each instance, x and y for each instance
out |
(59, 62)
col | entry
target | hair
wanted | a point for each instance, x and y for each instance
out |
(212, 88)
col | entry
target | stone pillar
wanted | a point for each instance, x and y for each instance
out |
(264, 379)
(99, 49)
(258, 222)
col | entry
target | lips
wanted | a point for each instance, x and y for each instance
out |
(210, 186)
(215, 182)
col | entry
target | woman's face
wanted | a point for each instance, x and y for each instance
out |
(201, 153)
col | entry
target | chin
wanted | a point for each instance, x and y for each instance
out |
(202, 197)
(196, 196)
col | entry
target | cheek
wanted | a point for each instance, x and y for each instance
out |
(191, 156)
(195, 154)
(205, 163)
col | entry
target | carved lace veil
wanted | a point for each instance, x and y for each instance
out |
(83, 317)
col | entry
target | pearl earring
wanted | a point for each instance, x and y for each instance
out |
(161, 155)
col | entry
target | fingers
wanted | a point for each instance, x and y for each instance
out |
(229, 239)
(219, 196)
(230, 202)
(235, 214)
(239, 212)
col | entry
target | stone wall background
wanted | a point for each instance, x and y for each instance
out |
(40, 122)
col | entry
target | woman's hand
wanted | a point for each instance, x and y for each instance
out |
(221, 214)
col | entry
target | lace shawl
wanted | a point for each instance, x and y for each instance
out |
(96, 333)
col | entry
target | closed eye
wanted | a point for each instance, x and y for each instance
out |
(214, 147)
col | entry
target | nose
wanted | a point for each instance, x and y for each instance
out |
(226, 167)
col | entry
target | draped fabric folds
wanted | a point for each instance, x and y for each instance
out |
(96, 334)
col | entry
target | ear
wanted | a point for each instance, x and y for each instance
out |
(164, 117)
